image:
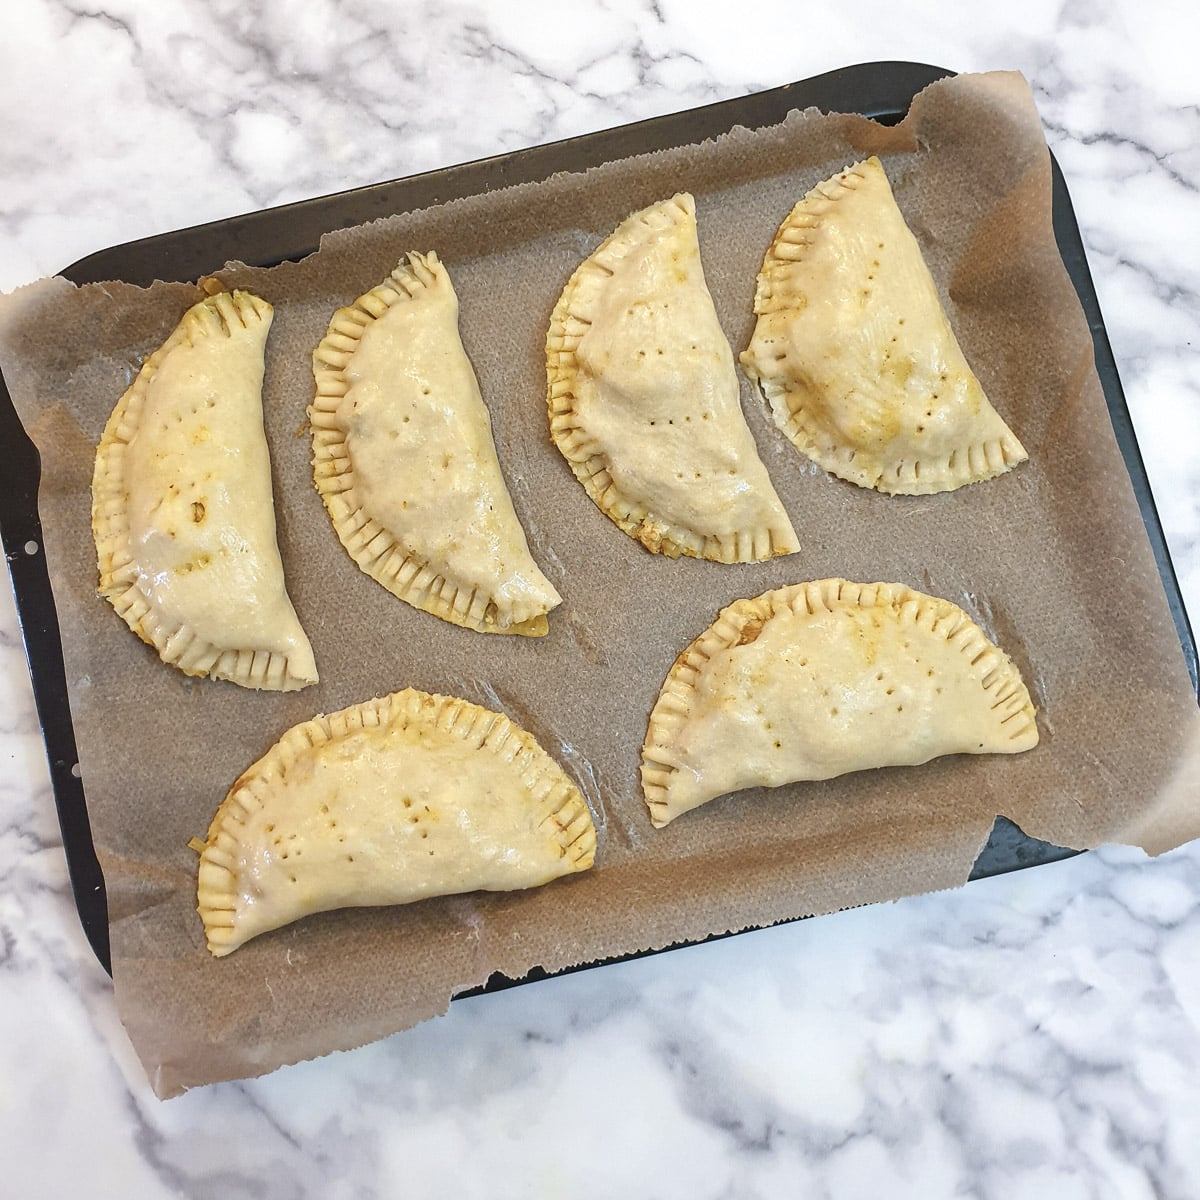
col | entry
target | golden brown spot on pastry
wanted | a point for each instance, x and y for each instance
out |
(197, 564)
(750, 632)
(198, 511)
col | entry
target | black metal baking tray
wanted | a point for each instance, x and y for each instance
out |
(881, 90)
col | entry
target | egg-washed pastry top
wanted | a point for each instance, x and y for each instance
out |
(387, 802)
(404, 459)
(643, 397)
(817, 679)
(182, 509)
(855, 354)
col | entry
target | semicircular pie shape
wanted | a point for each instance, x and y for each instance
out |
(182, 511)
(854, 352)
(390, 801)
(404, 460)
(818, 679)
(643, 397)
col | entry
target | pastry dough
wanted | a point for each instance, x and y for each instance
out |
(404, 459)
(643, 397)
(388, 802)
(818, 679)
(854, 352)
(182, 511)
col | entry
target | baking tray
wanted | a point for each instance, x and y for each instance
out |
(882, 90)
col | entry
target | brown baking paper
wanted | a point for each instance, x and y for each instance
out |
(1051, 559)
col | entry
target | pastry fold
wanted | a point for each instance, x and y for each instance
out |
(643, 398)
(390, 801)
(818, 679)
(855, 354)
(182, 510)
(404, 460)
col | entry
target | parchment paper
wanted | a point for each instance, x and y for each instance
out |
(1051, 559)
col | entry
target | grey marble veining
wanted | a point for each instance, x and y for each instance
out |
(1028, 1036)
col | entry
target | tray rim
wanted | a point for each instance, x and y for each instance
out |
(884, 90)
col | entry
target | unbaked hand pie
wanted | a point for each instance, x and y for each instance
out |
(394, 800)
(404, 459)
(855, 354)
(182, 511)
(643, 397)
(818, 679)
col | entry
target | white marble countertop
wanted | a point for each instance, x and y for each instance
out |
(1028, 1036)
